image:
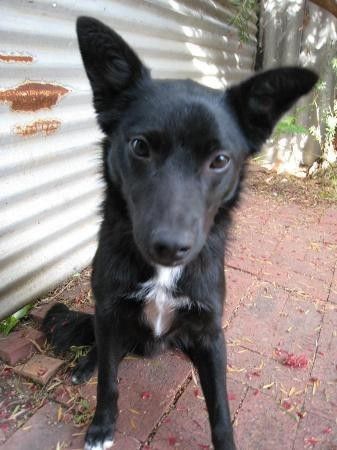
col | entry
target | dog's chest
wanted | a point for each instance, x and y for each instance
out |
(160, 305)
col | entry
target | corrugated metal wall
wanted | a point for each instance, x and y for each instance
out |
(299, 32)
(49, 188)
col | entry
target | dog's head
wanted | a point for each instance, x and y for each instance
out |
(177, 148)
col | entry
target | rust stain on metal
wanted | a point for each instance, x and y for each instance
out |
(43, 127)
(11, 58)
(33, 96)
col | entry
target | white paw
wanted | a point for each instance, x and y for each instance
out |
(99, 445)
(74, 379)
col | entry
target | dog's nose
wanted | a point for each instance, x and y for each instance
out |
(169, 248)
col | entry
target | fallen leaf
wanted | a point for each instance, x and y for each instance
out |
(133, 425)
(295, 362)
(172, 440)
(59, 414)
(286, 404)
(292, 391)
(145, 395)
(235, 369)
(312, 441)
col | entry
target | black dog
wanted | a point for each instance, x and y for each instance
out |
(174, 157)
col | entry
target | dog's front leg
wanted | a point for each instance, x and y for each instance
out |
(110, 352)
(209, 357)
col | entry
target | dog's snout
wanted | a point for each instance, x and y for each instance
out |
(169, 247)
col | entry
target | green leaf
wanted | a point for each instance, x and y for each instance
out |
(7, 325)
(288, 125)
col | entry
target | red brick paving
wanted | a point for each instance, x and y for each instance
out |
(40, 311)
(45, 430)
(39, 368)
(315, 432)
(19, 345)
(238, 287)
(299, 326)
(323, 400)
(333, 290)
(255, 326)
(264, 424)
(281, 300)
(269, 376)
(187, 427)
(329, 217)
(147, 388)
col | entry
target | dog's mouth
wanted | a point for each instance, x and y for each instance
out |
(168, 259)
(169, 262)
(170, 256)
(167, 253)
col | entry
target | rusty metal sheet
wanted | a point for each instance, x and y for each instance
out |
(16, 58)
(32, 96)
(43, 127)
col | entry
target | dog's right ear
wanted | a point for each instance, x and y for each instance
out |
(111, 66)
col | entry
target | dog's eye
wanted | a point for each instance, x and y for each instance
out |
(140, 148)
(220, 162)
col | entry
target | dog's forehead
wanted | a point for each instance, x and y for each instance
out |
(177, 103)
(186, 110)
(192, 118)
(167, 103)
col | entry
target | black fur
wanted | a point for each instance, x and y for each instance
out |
(174, 157)
(64, 328)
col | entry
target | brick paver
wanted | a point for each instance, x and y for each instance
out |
(299, 326)
(315, 432)
(187, 427)
(19, 345)
(45, 431)
(39, 368)
(333, 290)
(255, 326)
(147, 388)
(38, 313)
(264, 424)
(322, 397)
(270, 377)
(280, 321)
(238, 287)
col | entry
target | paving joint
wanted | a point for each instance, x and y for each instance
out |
(311, 370)
(236, 413)
(242, 300)
(334, 273)
(182, 388)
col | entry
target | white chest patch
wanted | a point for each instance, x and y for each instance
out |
(160, 304)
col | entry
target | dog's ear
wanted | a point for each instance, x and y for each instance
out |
(111, 66)
(261, 100)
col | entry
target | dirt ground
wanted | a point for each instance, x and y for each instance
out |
(310, 191)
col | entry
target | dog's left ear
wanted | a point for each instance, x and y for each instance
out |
(112, 67)
(260, 101)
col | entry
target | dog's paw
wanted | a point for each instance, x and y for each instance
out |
(99, 445)
(98, 438)
(82, 372)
